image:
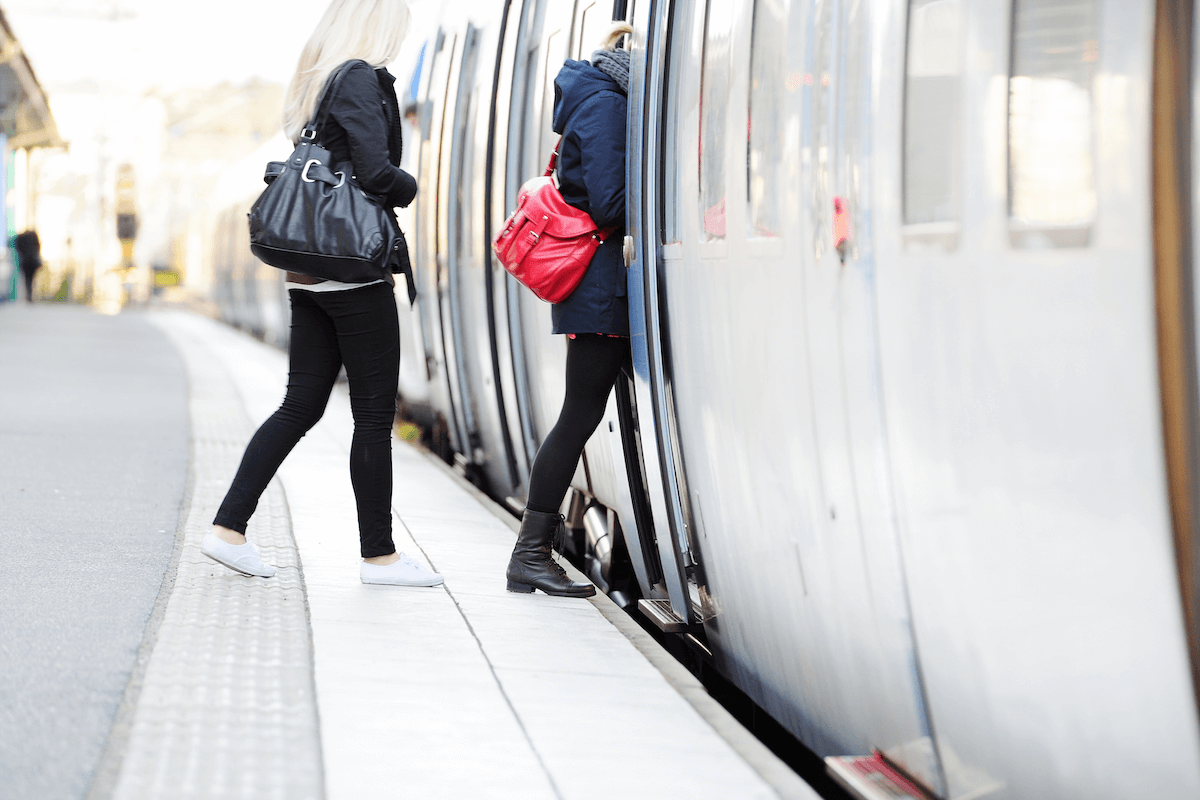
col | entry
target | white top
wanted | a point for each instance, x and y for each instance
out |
(328, 286)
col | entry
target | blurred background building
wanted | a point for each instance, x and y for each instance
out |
(25, 125)
(144, 119)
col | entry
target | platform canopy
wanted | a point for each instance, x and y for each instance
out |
(24, 113)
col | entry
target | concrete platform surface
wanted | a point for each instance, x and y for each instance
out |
(93, 462)
(311, 685)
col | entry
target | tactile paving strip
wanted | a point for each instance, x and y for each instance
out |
(227, 708)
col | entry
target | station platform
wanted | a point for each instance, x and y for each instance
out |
(308, 684)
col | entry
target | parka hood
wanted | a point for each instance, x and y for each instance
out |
(576, 82)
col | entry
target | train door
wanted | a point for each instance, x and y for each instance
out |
(495, 279)
(463, 426)
(465, 297)
(601, 476)
(435, 163)
(538, 358)
(414, 380)
(756, 354)
(1019, 328)
(857, 535)
(447, 217)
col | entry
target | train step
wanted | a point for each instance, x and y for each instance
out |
(662, 615)
(873, 778)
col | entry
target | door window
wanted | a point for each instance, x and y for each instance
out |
(771, 83)
(594, 24)
(714, 96)
(683, 46)
(554, 46)
(1055, 49)
(933, 111)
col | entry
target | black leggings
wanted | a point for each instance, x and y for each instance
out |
(593, 363)
(358, 328)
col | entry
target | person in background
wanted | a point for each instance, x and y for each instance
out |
(29, 258)
(590, 103)
(412, 115)
(336, 324)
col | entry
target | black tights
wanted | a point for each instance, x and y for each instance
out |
(357, 328)
(593, 363)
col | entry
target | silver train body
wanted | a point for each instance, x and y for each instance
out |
(933, 491)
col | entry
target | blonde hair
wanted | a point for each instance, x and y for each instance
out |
(613, 37)
(371, 30)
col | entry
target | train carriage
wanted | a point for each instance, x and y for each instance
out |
(909, 444)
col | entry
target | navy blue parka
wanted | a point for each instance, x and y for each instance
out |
(590, 111)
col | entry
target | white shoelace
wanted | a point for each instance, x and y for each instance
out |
(411, 562)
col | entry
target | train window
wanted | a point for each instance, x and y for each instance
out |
(594, 24)
(1052, 196)
(427, 106)
(554, 43)
(770, 83)
(463, 152)
(714, 94)
(683, 46)
(531, 138)
(933, 111)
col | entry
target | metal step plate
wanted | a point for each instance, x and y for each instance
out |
(660, 613)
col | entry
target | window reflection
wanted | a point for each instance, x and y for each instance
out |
(714, 94)
(595, 24)
(679, 58)
(1051, 141)
(933, 111)
(554, 43)
(764, 152)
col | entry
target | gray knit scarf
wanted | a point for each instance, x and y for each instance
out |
(615, 64)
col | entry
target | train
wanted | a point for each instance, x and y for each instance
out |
(910, 447)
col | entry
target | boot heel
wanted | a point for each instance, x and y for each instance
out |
(523, 588)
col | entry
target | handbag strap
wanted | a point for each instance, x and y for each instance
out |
(317, 123)
(553, 159)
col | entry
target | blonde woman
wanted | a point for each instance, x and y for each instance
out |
(340, 324)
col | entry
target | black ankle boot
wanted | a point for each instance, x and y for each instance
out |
(533, 567)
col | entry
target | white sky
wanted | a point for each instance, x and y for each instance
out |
(131, 46)
(103, 62)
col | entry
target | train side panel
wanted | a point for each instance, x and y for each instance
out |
(1020, 370)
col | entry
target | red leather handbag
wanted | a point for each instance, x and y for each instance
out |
(547, 244)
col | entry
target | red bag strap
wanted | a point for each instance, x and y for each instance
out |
(553, 159)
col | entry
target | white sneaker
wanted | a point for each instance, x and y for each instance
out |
(405, 572)
(244, 558)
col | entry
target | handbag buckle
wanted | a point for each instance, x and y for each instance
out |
(308, 165)
(304, 172)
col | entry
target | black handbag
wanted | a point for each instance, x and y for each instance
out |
(318, 222)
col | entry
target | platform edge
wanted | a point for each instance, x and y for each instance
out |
(774, 772)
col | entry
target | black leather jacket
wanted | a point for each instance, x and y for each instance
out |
(363, 128)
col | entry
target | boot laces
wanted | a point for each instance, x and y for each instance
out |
(553, 565)
(559, 540)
